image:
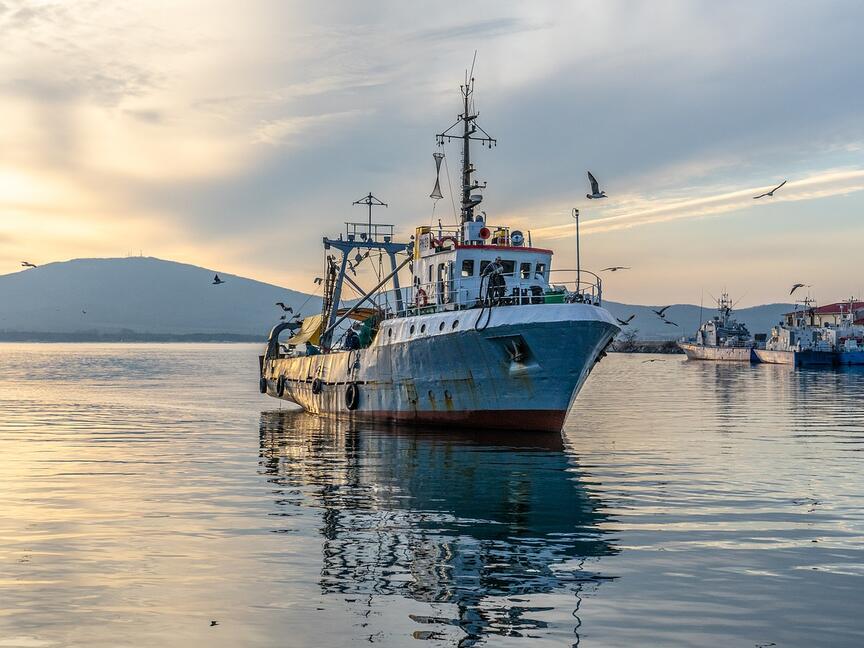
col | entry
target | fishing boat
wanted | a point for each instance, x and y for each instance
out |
(468, 325)
(722, 338)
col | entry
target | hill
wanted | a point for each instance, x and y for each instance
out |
(759, 319)
(141, 294)
(146, 298)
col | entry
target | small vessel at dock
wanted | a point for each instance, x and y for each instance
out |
(807, 339)
(722, 338)
(480, 334)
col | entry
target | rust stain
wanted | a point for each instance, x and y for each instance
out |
(448, 401)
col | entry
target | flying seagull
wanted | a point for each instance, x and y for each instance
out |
(285, 308)
(217, 280)
(625, 322)
(665, 321)
(615, 268)
(661, 311)
(797, 286)
(770, 194)
(595, 188)
(318, 280)
(651, 360)
(27, 264)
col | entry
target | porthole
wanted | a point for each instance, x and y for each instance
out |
(441, 326)
(455, 324)
(411, 330)
(389, 332)
(423, 328)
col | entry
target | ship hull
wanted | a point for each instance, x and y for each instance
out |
(520, 370)
(797, 358)
(717, 354)
(847, 358)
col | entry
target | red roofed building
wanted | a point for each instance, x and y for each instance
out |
(829, 315)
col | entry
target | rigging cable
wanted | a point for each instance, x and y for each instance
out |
(450, 187)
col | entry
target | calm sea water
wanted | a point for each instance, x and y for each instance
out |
(149, 496)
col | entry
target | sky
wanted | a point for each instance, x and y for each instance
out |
(235, 135)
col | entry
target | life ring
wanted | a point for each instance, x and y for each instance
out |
(352, 396)
(280, 386)
(317, 386)
(262, 385)
(440, 242)
(422, 298)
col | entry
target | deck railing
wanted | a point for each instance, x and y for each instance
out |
(460, 294)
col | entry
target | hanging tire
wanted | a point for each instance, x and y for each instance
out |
(352, 396)
(280, 386)
(262, 385)
(317, 386)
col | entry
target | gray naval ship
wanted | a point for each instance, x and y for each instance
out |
(483, 334)
(721, 338)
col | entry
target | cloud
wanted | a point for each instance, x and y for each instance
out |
(480, 28)
(239, 128)
(639, 211)
(288, 130)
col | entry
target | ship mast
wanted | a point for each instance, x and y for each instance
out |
(470, 128)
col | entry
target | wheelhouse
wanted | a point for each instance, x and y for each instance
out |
(452, 270)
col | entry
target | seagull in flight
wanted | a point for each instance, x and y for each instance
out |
(217, 280)
(625, 322)
(27, 264)
(285, 308)
(770, 194)
(615, 268)
(661, 311)
(595, 188)
(318, 280)
(797, 286)
(666, 321)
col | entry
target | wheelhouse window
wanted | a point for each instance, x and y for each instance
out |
(540, 273)
(467, 267)
(483, 265)
(509, 267)
(524, 270)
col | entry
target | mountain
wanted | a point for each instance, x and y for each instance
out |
(759, 319)
(94, 297)
(140, 294)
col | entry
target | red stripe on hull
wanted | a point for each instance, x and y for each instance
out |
(523, 420)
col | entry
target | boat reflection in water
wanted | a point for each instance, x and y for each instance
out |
(479, 523)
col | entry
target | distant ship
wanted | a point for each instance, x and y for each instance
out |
(806, 339)
(482, 336)
(721, 338)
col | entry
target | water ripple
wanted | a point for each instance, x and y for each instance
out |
(148, 490)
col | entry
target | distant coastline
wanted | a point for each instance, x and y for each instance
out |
(645, 346)
(125, 336)
(619, 346)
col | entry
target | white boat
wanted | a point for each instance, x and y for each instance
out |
(803, 343)
(482, 335)
(721, 338)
